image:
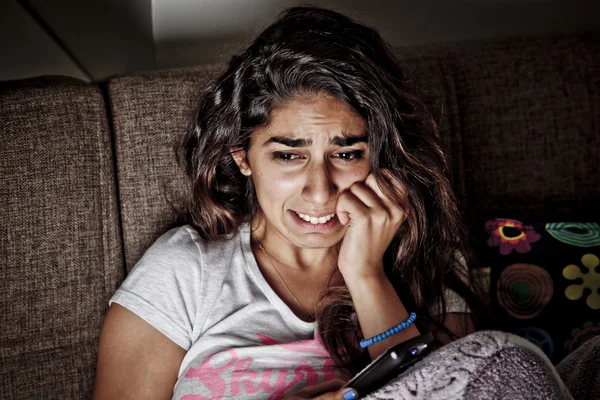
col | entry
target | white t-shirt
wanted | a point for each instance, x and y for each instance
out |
(211, 299)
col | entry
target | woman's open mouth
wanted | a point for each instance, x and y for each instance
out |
(313, 222)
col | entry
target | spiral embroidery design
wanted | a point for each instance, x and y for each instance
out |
(575, 234)
(524, 290)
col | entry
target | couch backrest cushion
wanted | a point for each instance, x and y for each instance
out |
(522, 125)
(149, 110)
(60, 248)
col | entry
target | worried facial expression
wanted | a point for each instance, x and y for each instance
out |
(313, 149)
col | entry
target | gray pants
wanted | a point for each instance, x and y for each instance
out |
(483, 365)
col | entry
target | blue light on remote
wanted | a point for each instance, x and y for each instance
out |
(414, 352)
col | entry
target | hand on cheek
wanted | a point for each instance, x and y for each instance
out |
(372, 221)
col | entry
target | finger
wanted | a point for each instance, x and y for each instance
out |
(334, 384)
(367, 195)
(378, 208)
(373, 184)
(329, 389)
(372, 195)
(371, 181)
(395, 182)
(346, 394)
(349, 207)
(325, 390)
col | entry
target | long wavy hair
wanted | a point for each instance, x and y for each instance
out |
(314, 51)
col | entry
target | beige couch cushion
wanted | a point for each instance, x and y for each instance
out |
(149, 111)
(60, 248)
(523, 127)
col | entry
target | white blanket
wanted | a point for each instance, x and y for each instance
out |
(483, 365)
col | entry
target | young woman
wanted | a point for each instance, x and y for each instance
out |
(319, 214)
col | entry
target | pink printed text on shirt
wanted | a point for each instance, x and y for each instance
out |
(244, 380)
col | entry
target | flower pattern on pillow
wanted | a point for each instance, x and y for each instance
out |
(575, 233)
(591, 280)
(549, 291)
(509, 235)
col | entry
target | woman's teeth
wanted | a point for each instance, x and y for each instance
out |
(315, 220)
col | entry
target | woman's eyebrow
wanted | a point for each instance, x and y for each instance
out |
(344, 141)
(341, 141)
(289, 142)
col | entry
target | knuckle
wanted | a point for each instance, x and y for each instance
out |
(356, 186)
(381, 214)
(396, 214)
(398, 218)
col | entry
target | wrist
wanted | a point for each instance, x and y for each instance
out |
(373, 279)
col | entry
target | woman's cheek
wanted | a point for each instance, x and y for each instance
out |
(280, 185)
(348, 178)
(288, 183)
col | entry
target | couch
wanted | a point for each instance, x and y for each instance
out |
(88, 178)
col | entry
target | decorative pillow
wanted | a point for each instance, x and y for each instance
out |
(545, 281)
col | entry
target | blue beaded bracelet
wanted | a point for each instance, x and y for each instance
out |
(392, 331)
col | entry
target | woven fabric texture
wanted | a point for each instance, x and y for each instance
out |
(60, 248)
(149, 111)
(521, 125)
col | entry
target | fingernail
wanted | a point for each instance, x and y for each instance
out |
(349, 395)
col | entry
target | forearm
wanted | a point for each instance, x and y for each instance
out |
(379, 308)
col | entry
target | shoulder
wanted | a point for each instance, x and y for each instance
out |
(177, 250)
(182, 249)
(179, 241)
(461, 268)
(174, 281)
(454, 303)
(180, 261)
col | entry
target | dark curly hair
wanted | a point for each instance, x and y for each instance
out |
(313, 51)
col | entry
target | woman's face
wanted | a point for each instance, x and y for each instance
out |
(313, 149)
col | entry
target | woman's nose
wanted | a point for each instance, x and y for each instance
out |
(319, 187)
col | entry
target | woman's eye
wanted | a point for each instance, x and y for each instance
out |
(346, 156)
(350, 155)
(285, 157)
